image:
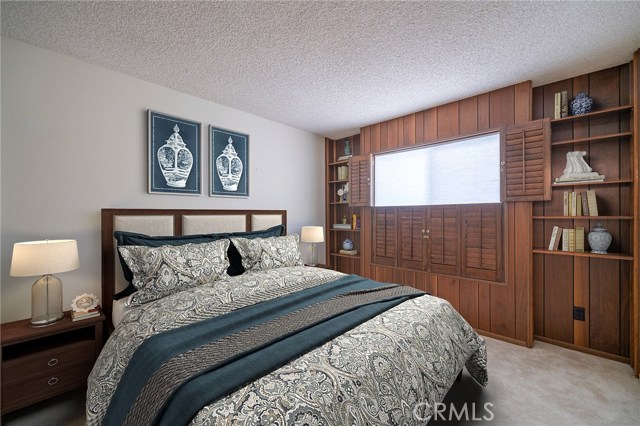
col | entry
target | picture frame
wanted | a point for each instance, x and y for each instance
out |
(174, 155)
(229, 163)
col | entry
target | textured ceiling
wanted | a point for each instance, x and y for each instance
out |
(332, 67)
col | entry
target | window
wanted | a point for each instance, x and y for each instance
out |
(464, 171)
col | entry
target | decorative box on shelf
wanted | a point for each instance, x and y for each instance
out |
(341, 226)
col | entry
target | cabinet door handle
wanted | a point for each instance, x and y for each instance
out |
(52, 362)
(52, 381)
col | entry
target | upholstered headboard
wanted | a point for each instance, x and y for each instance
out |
(170, 222)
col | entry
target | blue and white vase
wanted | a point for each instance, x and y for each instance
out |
(599, 239)
(581, 104)
(347, 244)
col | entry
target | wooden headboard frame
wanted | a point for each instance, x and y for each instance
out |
(109, 256)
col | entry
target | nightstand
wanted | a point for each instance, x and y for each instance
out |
(39, 363)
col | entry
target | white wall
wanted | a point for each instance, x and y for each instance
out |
(74, 141)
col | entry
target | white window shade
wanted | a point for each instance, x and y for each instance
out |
(465, 171)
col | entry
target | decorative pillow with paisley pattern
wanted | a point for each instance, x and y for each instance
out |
(259, 254)
(161, 271)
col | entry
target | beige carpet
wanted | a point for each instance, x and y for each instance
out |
(546, 385)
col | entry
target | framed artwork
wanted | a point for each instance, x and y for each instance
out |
(229, 157)
(174, 155)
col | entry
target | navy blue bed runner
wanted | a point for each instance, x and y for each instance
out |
(172, 375)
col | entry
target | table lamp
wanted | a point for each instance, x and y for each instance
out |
(45, 258)
(313, 235)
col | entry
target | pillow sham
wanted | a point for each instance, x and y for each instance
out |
(259, 254)
(161, 271)
(124, 238)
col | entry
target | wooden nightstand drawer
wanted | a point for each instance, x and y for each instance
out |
(35, 388)
(47, 362)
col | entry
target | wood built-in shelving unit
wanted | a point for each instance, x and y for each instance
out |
(338, 209)
(599, 283)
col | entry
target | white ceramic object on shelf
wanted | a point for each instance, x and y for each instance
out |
(599, 239)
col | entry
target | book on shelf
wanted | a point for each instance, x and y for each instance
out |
(578, 204)
(565, 240)
(341, 226)
(565, 203)
(579, 237)
(572, 207)
(349, 252)
(555, 238)
(564, 104)
(557, 105)
(585, 204)
(80, 315)
(591, 202)
(344, 157)
(572, 239)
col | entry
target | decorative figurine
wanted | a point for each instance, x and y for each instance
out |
(577, 169)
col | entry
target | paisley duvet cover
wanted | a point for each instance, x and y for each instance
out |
(387, 370)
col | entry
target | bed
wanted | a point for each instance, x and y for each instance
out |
(223, 324)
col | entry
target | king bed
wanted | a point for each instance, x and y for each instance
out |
(217, 321)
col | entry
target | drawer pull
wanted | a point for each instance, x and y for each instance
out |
(52, 381)
(52, 362)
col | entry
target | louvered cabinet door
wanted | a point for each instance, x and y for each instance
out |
(527, 170)
(360, 181)
(384, 236)
(412, 237)
(482, 241)
(443, 236)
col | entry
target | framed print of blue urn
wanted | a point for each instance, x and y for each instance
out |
(229, 156)
(174, 155)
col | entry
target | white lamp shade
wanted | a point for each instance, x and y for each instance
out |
(312, 234)
(34, 258)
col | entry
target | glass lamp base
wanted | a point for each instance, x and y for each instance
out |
(314, 255)
(46, 301)
(45, 321)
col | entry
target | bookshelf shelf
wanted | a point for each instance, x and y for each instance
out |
(620, 108)
(611, 256)
(559, 217)
(606, 182)
(343, 181)
(593, 138)
(339, 163)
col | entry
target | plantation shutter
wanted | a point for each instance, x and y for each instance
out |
(442, 233)
(412, 232)
(482, 241)
(360, 180)
(384, 236)
(527, 170)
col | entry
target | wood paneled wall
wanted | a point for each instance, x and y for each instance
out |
(501, 309)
